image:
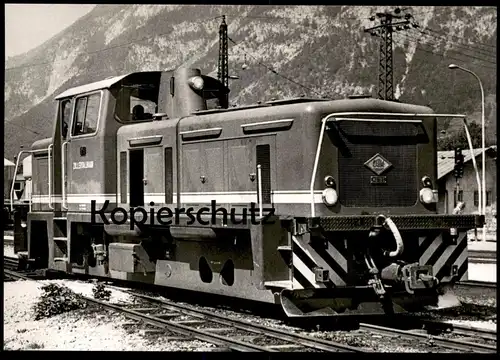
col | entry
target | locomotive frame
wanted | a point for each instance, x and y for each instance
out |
(340, 182)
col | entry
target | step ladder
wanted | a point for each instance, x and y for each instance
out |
(60, 238)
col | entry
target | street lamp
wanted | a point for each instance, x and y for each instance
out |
(453, 66)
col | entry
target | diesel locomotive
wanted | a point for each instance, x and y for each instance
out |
(325, 207)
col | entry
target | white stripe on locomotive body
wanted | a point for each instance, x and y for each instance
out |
(465, 277)
(317, 259)
(305, 272)
(156, 198)
(464, 256)
(459, 262)
(246, 197)
(431, 249)
(296, 285)
(441, 261)
(73, 198)
(44, 199)
(81, 198)
(337, 256)
(437, 266)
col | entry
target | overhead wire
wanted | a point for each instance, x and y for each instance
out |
(459, 37)
(237, 44)
(106, 48)
(10, 122)
(465, 47)
(150, 36)
(442, 32)
(416, 40)
(22, 127)
(276, 72)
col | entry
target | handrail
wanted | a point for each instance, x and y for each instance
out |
(336, 115)
(63, 174)
(355, 113)
(15, 173)
(316, 160)
(50, 176)
(479, 186)
(378, 120)
(31, 194)
(259, 175)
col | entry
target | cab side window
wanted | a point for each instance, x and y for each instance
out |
(66, 116)
(86, 115)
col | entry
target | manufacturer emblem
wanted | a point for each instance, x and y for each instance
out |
(378, 164)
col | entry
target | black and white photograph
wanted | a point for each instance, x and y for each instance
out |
(250, 178)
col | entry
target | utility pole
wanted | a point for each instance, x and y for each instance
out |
(223, 68)
(384, 31)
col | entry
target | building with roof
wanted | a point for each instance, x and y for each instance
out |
(468, 189)
(7, 162)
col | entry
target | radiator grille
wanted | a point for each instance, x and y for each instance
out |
(360, 141)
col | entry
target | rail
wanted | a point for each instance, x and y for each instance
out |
(438, 340)
(239, 335)
(227, 328)
(459, 329)
(15, 174)
(218, 329)
(348, 116)
(478, 284)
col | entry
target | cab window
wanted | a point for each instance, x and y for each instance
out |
(136, 102)
(66, 116)
(86, 114)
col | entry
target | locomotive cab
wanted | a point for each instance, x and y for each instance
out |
(79, 163)
(88, 118)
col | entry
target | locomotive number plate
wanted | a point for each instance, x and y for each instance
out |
(378, 180)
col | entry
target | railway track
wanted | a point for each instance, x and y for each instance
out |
(478, 284)
(227, 334)
(10, 263)
(453, 344)
(183, 322)
(176, 321)
(443, 342)
(461, 330)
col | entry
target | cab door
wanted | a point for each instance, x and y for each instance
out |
(241, 172)
(243, 159)
(154, 175)
(202, 169)
(83, 156)
(61, 135)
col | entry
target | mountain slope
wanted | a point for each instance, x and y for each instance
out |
(323, 48)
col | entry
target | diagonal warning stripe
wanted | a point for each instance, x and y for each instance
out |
(306, 249)
(305, 272)
(338, 256)
(458, 250)
(431, 249)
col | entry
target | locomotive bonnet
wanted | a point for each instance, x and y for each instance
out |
(322, 207)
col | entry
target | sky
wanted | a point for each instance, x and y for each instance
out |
(30, 25)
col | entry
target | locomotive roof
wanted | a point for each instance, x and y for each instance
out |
(98, 85)
(103, 84)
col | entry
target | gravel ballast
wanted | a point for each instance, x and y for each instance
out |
(86, 329)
